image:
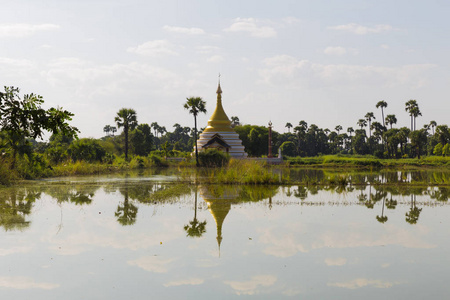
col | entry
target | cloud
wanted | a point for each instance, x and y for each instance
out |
(190, 281)
(207, 49)
(363, 282)
(362, 30)
(335, 51)
(184, 30)
(215, 59)
(21, 30)
(291, 20)
(251, 27)
(335, 261)
(288, 71)
(154, 48)
(23, 283)
(154, 264)
(251, 287)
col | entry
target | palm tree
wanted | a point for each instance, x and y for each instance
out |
(107, 129)
(369, 116)
(113, 130)
(350, 131)
(433, 124)
(415, 113)
(155, 127)
(126, 118)
(391, 119)
(195, 105)
(382, 104)
(288, 126)
(234, 121)
(409, 107)
(361, 123)
(195, 228)
(338, 128)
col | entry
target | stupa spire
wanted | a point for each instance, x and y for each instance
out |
(219, 120)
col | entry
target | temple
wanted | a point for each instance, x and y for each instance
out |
(219, 134)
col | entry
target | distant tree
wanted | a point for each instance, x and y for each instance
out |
(382, 104)
(350, 131)
(443, 134)
(410, 108)
(142, 140)
(107, 129)
(369, 116)
(288, 126)
(126, 118)
(113, 130)
(235, 121)
(362, 123)
(155, 127)
(195, 105)
(338, 128)
(391, 119)
(433, 125)
(418, 140)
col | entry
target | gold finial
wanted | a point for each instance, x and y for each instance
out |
(219, 90)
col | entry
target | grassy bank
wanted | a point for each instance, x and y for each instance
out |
(357, 161)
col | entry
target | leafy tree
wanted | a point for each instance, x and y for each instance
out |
(288, 148)
(382, 104)
(438, 149)
(86, 149)
(141, 140)
(107, 129)
(418, 140)
(126, 118)
(195, 105)
(433, 124)
(338, 128)
(443, 134)
(24, 119)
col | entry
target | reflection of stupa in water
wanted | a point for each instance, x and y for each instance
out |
(219, 134)
(219, 200)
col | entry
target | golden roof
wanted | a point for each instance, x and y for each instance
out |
(219, 120)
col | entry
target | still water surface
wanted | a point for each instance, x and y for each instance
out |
(148, 238)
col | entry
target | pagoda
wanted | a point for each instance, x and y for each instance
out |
(219, 134)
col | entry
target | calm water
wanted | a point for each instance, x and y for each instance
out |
(148, 238)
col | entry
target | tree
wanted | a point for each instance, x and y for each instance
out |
(433, 124)
(418, 140)
(195, 228)
(350, 131)
(338, 128)
(107, 129)
(24, 119)
(235, 121)
(113, 130)
(288, 126)
(126, 118)
(141, 140)
(369, 116)
(361, 123)
(382, 104)
(195, 105)
(409, 107)
(391, 119)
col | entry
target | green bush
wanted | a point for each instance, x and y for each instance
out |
(211, 158)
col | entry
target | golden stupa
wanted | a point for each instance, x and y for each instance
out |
(219, 134)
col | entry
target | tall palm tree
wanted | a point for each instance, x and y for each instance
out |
(350, 130)
(433, 124)
(409, 107)
(391, 119)
(288, 126)
(382, 104)
(126, 118)
(338, 128)
(369, 116)
(415, 112)
(195, 105)
(155, 127)
(113, 130)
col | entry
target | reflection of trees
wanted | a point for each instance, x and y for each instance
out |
(15, 205)
(126, 211)
(301, 192)
(382, 218)
(413, 215)
(195, 228)
(440, 194)
(79, 194)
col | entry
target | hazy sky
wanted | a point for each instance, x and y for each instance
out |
(325, 62)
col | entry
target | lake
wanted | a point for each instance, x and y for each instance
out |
(149, 237)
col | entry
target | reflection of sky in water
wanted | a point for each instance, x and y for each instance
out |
(328, 246)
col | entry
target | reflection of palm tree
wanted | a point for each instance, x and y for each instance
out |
(413, 215)
(126, 212)
(195, 228)
(383, 218)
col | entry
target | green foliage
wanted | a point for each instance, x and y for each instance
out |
(213, 158)
(288, 148)
(157, 161)
(438, 149)
(126, 119)
(446, 150)
(141, 140)
(86, 149)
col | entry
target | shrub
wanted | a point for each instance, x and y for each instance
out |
(213, 158)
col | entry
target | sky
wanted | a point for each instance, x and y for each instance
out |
(325, 62)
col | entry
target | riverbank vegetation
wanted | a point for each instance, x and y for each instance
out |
(23, 155)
